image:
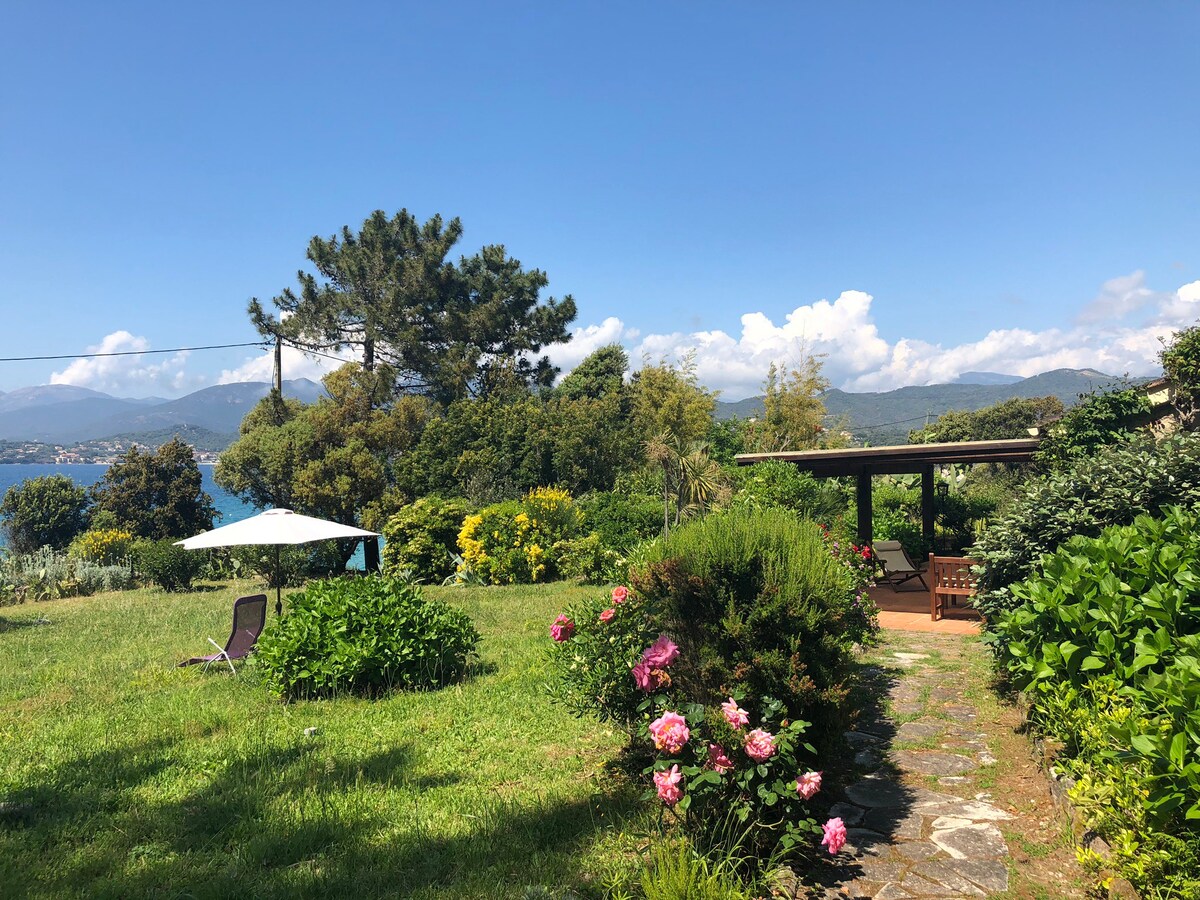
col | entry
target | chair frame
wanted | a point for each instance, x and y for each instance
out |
(223, 652)
(950, 577)
(897, 577)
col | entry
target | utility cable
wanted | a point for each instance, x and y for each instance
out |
(262, 344)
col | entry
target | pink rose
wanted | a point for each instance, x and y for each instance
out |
(607, 614)
(661, 653)
(760, 745)
(719, 759)
(562, 629)
(645, 677)
(667, 784)
(620, 593)
(734, 714)
(670, 732)
(835, 835)
(808, 784)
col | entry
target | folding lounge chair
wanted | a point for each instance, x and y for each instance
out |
(249, 616)
(897, 567)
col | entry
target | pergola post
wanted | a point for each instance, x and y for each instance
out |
(927, 510)
(866, 533)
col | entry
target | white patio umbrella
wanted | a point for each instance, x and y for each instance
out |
(277, 528)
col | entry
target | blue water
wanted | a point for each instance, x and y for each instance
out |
(231, 508)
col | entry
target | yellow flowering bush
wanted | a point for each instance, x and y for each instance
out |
(512, 542)
(106, 546)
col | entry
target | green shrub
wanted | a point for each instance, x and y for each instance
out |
(588, 560)
(48, 511)
(622, 520)
(511, 542)
(296, 564)
(591, 658)
(783, 485)
(1101, 419)
(170, 567)
(1106, 642)
(364, 636)
(421, 537)
(759, 607)
(1111, 488)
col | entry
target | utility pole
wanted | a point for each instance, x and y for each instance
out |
(279, 365)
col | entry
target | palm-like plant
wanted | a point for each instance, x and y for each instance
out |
(692, 481)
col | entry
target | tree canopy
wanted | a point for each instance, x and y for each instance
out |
(1006, 420)
(445, 330)
(48, 511)
(156, 495)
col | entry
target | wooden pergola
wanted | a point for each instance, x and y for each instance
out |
(906, 459)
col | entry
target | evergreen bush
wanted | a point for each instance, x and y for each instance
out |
(760, 608)
(420, 538)
(623, 520)
(170, 567)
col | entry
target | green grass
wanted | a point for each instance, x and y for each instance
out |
(124, 776)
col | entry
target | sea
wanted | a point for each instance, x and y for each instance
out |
(231, 508)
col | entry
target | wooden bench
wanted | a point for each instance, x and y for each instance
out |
(949, 578)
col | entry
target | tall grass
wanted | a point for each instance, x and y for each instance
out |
(124, 776)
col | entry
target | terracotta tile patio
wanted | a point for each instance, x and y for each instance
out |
(907, 609)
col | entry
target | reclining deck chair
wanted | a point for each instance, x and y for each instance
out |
(249, 616)
(897, 567)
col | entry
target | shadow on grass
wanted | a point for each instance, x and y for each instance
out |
(270, 821)
(9, 624)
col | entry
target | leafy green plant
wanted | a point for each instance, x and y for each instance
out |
(1112, 488)
(588, 560)
(782, 485)
(170, 567)
(623, 519)
(596, 644)
(1180, 358)
(364, 636)
(1099, 420)
(1106, 642)
(420, 536)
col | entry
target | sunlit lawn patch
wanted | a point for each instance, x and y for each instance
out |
(121, 775)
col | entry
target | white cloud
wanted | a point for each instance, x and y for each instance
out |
(138, 375)
(1119, 297)
(1119, 332)
(296, 364)
(586, 340)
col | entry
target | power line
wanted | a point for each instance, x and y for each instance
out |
(129, 352)
(885, 424)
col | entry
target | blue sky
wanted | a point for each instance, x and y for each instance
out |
(923, 188)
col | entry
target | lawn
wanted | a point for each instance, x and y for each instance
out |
(124, 776)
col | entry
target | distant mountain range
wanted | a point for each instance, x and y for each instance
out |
(888, 416)
(65, 414)
(209, 418)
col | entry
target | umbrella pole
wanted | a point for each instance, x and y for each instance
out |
(278, 584)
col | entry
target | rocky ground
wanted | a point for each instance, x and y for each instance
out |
(947, 800)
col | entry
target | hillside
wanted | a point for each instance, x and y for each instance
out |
(886, 417)
(63, 414)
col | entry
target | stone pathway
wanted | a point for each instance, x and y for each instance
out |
(917, 825)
